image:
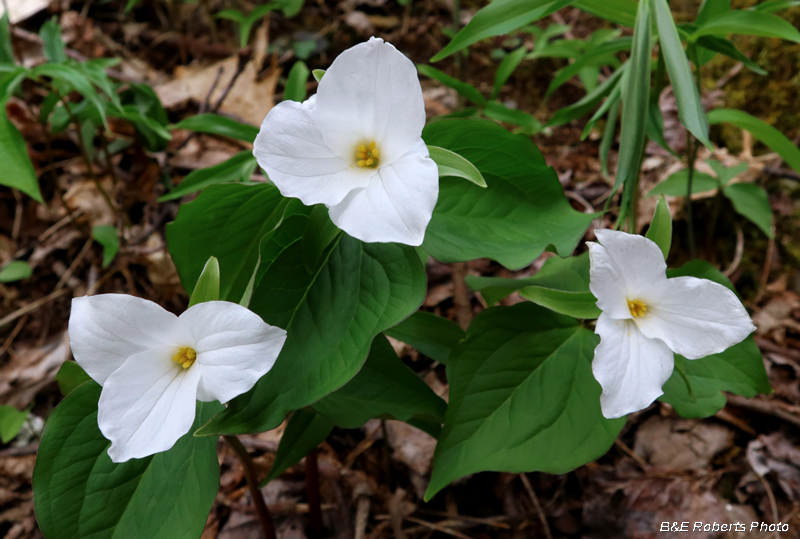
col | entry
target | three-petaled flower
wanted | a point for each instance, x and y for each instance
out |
(154, 366)
(356, 147)
(647, 317)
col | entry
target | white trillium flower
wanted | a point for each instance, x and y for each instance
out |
(647, 317)
(356, 147)
(154, 366)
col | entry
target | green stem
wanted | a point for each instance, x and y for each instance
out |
(267, 527)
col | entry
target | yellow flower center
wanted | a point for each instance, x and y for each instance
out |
(367, 156)
(185, 357)
(637, 307)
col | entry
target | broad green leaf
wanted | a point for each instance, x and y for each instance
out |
(725, 174)
(655, 125)
(498, 18)
(660, 230)
(384, 388)
(52, 43)
(777, 141)
(739, 369)
(106, 236)
(432, 335)
(11, 421)
(498, 111)
(70, 376)
(304, 432)
(710, 9)
(622, 12)
(575, 304)
(67, 74)
(464, 88)
(677, 184)
(290, 8)
(15, 271)
(6, 50)
(520, 213)
(726, 47)
(238, 168)
(228, 222)
(747, 22)
(636, 100)
(690, 109)
(18, 170)
(506, 68)
(453, 165)
(600, 55)
(79, 493)
(333, 295)
(295, 89)
(207, 287)
(566, 274)
(771, 6)
(214, 124)
(752, 202)
(522, 398)
(589, 101)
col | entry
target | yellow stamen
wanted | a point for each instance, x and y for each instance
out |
(185, 357)
(637, 307)
(367, 155)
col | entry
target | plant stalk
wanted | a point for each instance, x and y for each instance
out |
(692, 146)
(267, 527)
(312, 492)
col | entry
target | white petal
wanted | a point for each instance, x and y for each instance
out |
(107, 329)
(639, 261)
(289, 147)
(234, 348)
(630, 367)
(371, 92)
(605, 282)
(147, 404)
(696, 317)
(397, 205)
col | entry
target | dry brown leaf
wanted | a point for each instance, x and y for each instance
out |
(31, 368)
(682, 444)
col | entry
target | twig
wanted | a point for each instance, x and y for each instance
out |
(23, 451)
(773, 504)
(78, 260)
(17, 215)
(437, 527)
(762, 287)
(312, 492)
(32, 306)
(13, 335)
(737, 256)
(536, 504)
(639, 460)
(460, 299)
(267, 527)
(764, 407)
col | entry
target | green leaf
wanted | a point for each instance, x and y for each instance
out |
(452, 164)
(726, 47)
(79, 493)
(575, 304)
(522, 398)
(690, 109)
(777, 141)
(608, 136)
(433, 336)
(333, 295)
(655, 125)
(725, 174)
(52, 43)
(228, 222)
(770, 6)
(521, 212)
(498, 111)
(6, 49)
(589, 101)
(509, 64)
(566, 274)
(318, 74)
(747, 22)
(660, 230)
(677, 184)
(290, 8)
(752, 202)
(16, 270)
(11, 421)
(18, 170)
(238, 168)
(207, 287)
(70, 376)
(72, 77)
(295, 89)
(498, 18)
(106, 236)
(385, 388)
(304, 431)
(636, 100)
(214, 124)
(600, 55)
(464, 88)
(622, 12)
(739, 369)
(711, 9)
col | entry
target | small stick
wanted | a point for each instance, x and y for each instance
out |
(32, 306)
(13, 335)
(762, 287)
(17, 215)
(267, 527)
(460, 299)
(536, 504)
(312, 492)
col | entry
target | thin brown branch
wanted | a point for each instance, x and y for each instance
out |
(267, 527)
(537, 505)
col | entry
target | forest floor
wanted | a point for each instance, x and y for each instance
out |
(742, 465)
